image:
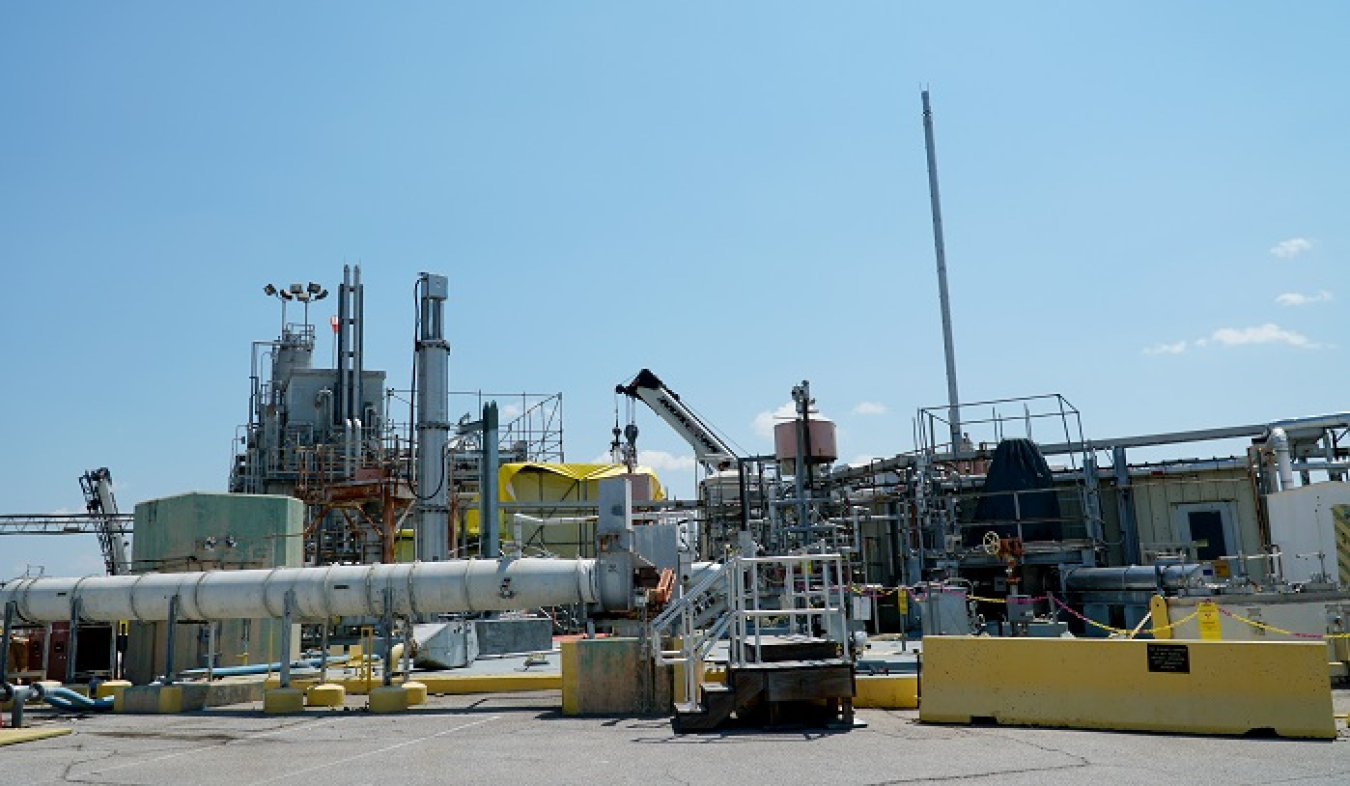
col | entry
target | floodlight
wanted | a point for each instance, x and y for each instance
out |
(314, 288)
(286, 295)
(321, 294)
(297, 288)
(269, 290)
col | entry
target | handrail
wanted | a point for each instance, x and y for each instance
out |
(811, 586)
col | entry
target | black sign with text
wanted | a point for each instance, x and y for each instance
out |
(1169, 658)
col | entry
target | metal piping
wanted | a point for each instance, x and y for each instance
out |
(1279, 443)
(320, 593)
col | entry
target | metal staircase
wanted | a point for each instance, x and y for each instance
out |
(784, 621)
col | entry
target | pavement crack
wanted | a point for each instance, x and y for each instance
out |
(987, 774)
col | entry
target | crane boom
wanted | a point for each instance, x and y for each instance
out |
(709, 449)
(99, 502)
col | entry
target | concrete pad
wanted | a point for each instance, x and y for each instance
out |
(16, 736)
(1191, 687)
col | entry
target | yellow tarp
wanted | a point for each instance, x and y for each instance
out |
(537, 482)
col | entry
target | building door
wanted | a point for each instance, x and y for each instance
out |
(1209, 528)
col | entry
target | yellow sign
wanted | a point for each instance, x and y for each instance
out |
(1161, 625)
(1209, 620)
(902, 600)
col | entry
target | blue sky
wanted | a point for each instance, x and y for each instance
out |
(1145, 210)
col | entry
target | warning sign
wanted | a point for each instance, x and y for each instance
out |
(1209, 621)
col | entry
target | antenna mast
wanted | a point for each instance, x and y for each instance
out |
(953, 400)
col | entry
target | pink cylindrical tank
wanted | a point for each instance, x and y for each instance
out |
(822, 445)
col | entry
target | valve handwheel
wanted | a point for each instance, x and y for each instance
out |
(991, 542)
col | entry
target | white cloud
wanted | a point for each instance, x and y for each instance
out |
(509, 412)
(765, 421)
(1167, 349)
(1268, 333)
(1288, 249)
(660, 460)
(869, 408)
(1299, 299)
(863, 460)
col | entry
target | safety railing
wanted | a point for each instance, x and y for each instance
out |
(747, 599)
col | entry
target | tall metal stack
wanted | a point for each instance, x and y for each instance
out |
(433, 426)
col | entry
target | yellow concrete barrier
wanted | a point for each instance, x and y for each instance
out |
(886, 692)
(1195, 687)
(283, 701)
(326, 695)
(170, 700)
(606, 677)
(388, 698)
(111, 688)
(417, 692)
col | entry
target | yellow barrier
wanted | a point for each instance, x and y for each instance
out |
(888, 692)
(1195, 687)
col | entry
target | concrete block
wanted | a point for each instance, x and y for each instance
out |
(151, 699)
(612, 677)
(283, 701)
(388, 698)
(417, 692)
(111, 688)
(326, 695)
(1192, 687)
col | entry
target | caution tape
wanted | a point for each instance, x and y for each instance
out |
(1123, 631)
(1036, 599)
(919, 596)
(1281, 631)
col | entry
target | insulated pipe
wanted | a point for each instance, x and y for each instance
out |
(1279, 442)
(320, 593)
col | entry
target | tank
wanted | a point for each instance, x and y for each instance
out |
(823, 448)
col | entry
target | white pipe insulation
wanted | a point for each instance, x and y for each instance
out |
(1279, 442)
(320, 593)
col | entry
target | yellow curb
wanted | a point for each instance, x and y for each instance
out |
(486, 683)
(16, 736)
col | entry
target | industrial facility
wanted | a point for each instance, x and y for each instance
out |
(373, 540)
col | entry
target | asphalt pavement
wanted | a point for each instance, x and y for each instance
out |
(524, 739)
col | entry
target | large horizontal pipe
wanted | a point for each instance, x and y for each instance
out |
(320, 593)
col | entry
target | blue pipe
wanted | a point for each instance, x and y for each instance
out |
(262, 668)
(70, 701)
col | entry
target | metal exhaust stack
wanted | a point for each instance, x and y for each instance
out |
(433, 426)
